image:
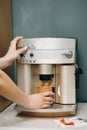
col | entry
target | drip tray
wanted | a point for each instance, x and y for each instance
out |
(54, 111)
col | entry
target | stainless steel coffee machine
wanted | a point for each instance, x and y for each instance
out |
(49, 60)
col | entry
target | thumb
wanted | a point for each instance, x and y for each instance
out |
(22, 50)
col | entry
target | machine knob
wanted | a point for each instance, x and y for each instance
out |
(21, 55)
(68, 54)
(31, 54)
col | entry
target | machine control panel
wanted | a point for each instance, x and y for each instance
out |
(48, 50)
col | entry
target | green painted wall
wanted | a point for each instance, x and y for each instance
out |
(55, 18)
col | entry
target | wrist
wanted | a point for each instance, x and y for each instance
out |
(7, 61)
(26, 103)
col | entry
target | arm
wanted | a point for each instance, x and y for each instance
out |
(12, 53)
(9, 90)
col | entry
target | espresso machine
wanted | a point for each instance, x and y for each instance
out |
(49, 61)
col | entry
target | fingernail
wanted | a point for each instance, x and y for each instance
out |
(26, 47)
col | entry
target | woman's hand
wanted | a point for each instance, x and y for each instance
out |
(11, 91)
(41, 100)
(13, 53)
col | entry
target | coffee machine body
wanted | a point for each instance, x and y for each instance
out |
(49, 60)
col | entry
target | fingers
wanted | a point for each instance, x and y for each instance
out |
(49, 93)
(47, 104)
(16, 40)
(48, 99)
(22, 50)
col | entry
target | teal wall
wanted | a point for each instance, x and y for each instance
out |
(55, 18)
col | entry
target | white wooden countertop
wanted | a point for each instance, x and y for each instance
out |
(9, 120)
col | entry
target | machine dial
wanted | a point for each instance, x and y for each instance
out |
(68, 54)
(31, 54)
